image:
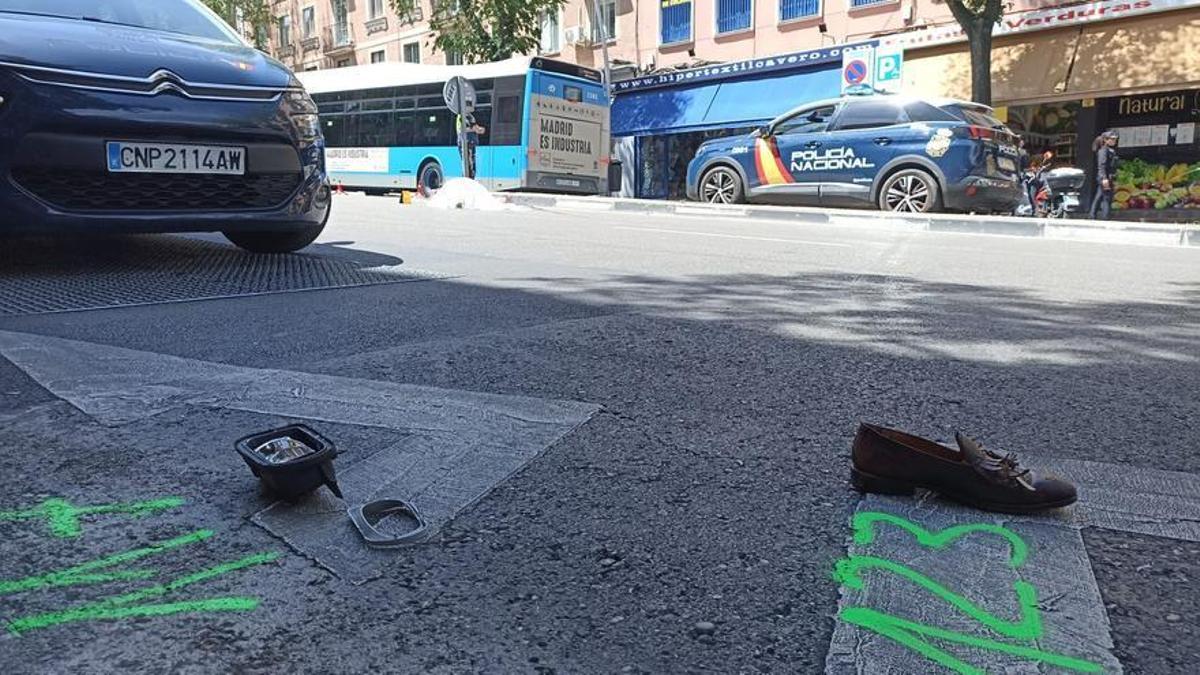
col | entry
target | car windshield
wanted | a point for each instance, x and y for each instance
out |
(188, 17)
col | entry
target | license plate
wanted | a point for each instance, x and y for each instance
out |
(175, 158)
(1006, 164)
(1070, 201)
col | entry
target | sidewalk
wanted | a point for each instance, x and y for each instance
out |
(1111, 232)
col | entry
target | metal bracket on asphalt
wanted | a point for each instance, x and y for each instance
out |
(365, 518)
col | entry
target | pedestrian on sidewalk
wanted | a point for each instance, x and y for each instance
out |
(473, 131)
(1105, 147)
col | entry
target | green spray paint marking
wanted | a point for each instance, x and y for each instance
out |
(864, 534)
(21, 626)
(908, 633)
(84, 574)
(63, 517)
(846, 571)
(119, 607)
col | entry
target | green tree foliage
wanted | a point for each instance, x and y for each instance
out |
(978, 18)
(257, 13)
(484, 30)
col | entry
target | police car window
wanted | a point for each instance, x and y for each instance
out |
(868, 114)
(920, 111)
(811, 121)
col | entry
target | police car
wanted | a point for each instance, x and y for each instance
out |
(891, 152)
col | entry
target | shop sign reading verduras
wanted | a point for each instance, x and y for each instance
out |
(1061, 15)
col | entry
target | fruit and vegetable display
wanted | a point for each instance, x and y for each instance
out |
(1142, 185)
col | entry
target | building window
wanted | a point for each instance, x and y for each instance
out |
(734, 15)
(376, 9)
(854, 4)
(412, 52)
(309, 19)
(342, 63)
(454, 58)
(606, 28)
(550, 33)
(675, 21)
(791, 10)
(285, 32)
(341, 24)
(379, 56)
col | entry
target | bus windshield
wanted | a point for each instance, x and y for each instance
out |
(537, 125)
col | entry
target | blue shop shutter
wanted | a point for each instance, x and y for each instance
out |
(790, 10)
(676, 21)
(733, 15)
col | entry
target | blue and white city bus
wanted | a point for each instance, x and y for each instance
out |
(387, 126)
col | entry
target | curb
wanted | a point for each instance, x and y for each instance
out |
(1108, 232)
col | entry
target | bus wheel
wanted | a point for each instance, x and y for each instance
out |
(430, 177)
(721, 185)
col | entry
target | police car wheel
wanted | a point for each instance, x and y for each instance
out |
(721, 185)
(909, 191)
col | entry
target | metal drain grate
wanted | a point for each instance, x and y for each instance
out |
(45, 276)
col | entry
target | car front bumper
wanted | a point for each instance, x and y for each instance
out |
(54, 176)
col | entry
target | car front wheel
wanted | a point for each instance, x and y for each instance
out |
(722, 185)
(910, 191)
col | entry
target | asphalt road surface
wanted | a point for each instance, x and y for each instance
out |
(630, 436)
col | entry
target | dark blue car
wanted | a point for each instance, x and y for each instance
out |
(152, 116)
(894, 153)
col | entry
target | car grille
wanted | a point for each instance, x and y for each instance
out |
(102, 191)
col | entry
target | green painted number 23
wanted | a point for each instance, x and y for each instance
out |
(917, 636)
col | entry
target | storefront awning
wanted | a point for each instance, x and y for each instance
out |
(726, 104)
(1026, 68)
(1152, 53)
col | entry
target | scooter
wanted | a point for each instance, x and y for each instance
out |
(1056, 192)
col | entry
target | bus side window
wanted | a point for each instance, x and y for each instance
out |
(435, 127)
(404, 122)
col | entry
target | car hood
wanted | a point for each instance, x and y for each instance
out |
(71, 44)
(727, 143)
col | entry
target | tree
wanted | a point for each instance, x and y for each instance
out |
(256, 13)
(978, 18)
(484, 30)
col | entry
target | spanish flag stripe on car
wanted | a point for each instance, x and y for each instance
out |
(770, 168)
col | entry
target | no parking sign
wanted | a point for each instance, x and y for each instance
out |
(858, 66)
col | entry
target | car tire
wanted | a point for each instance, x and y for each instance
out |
(430, 177)
(721, 185)
(910, 191)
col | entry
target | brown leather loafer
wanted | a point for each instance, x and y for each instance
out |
(892, 462)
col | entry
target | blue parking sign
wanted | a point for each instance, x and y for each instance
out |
(888, 68)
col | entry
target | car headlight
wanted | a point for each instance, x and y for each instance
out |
(303, 113)
(308, 126)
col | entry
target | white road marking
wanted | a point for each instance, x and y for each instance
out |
(461, 444)
(732, 236)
